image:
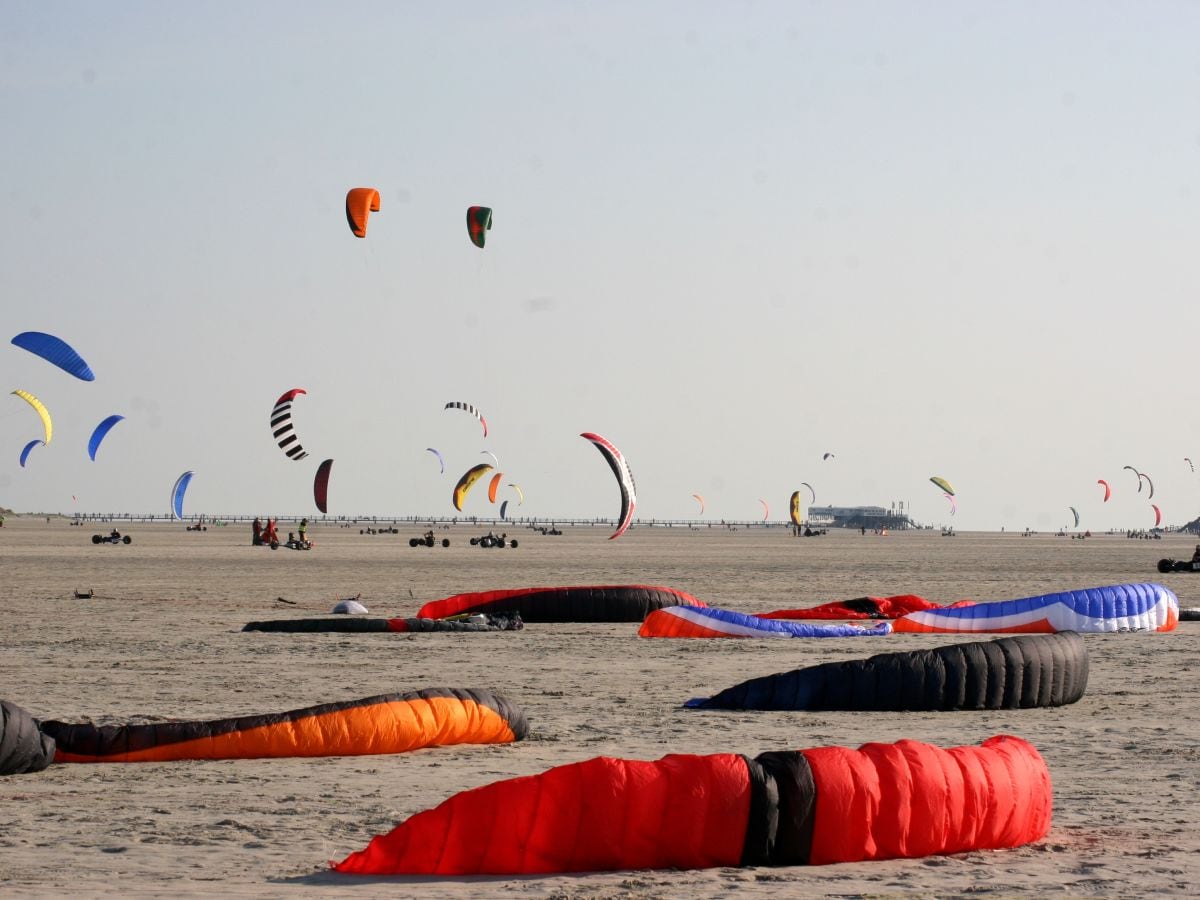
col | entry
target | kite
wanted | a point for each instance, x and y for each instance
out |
(281, 425)
(1189, 462)
(1116, 608)
(388, 723)
(827, 456)
(23, 746)
(1107, 489)
(943, 484)
(766, 509)
(1157, 514)
(707, 622)
(786, 808)
(600, 603)
(177, 492)
(98, 435)
(55, 350)
(862, 608)
(27, 448)
(467, 482)
(493, 486)
(344, 625)
(1075, 513)
(624, 480)
(321, 485)
(468, 408)
(479, 222)
(794, 508)
(699, 500)
(1141, 476)
(1021, 672)
(360, 203)
(41, 410)
(441, 462)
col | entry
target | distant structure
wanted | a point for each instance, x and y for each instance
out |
(860, 517)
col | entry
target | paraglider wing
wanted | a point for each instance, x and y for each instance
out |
(1107, 489)
(1157, 515)
(360, 203)
(624, 479)
(28, 447)
(943, 484)
(98, 435)
(281, 425)
(810, 491)
(1075, 513)
(321, 485)
(494, 486)
(479, 221)
(177, 492)
(699, 500)
(794, 508)
(1143, 475)
(56, 351)
(467, 407)
(40, 409)
(467, 482)
(441, 462)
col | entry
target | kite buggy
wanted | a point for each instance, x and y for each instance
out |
(427, 540)
(114, 538)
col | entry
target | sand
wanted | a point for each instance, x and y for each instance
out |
(162, 640)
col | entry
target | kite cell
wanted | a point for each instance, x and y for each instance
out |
(40, 409)
(788, 808)
(55, 350)
(1007, 673)
(1107, 489)
(479, 223)
(281, 425)
(602, 603)
(706, 622)
(389, 723)
(321, 485)
(1119, 607)
(28, 447)
(624, 480)
(467, 482)
(468, 408)
(360, 203)
(23, 746)
(98, 435)
(177, 492)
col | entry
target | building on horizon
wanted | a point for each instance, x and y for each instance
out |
(860, 517)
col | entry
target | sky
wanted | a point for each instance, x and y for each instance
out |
(931, 238)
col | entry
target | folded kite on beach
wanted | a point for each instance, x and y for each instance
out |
(825, 805)
(1007, 673)
(707, 622)
(601, 603)
(1119, 607)
(389, 723)
(346, 624)
(864, 608)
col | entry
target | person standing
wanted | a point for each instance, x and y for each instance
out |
(304, 529)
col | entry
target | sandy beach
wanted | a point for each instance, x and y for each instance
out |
(162, 639)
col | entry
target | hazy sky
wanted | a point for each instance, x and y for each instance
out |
(954, 239)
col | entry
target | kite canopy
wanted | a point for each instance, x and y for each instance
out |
(177, 492)
(588, 603)
(1007, 673)
(441, 462)
(321, 485)
(1119, 607)
(360, 203)
(281, 425)
(624, 480)
(40, 409)
(943, 484)
(467, 482)
(468, 408)
(1107, 489)
(98, 435)
(479, 222)
(707, 622)
(55, 350)
(23, 746)
(794, 508)
(824, 805)
(28, 447)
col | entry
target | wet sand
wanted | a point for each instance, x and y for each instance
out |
(162, 640)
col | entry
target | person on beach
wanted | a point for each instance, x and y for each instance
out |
(1196, 554)
(303, 528)
(270, 535)
(257, 528)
